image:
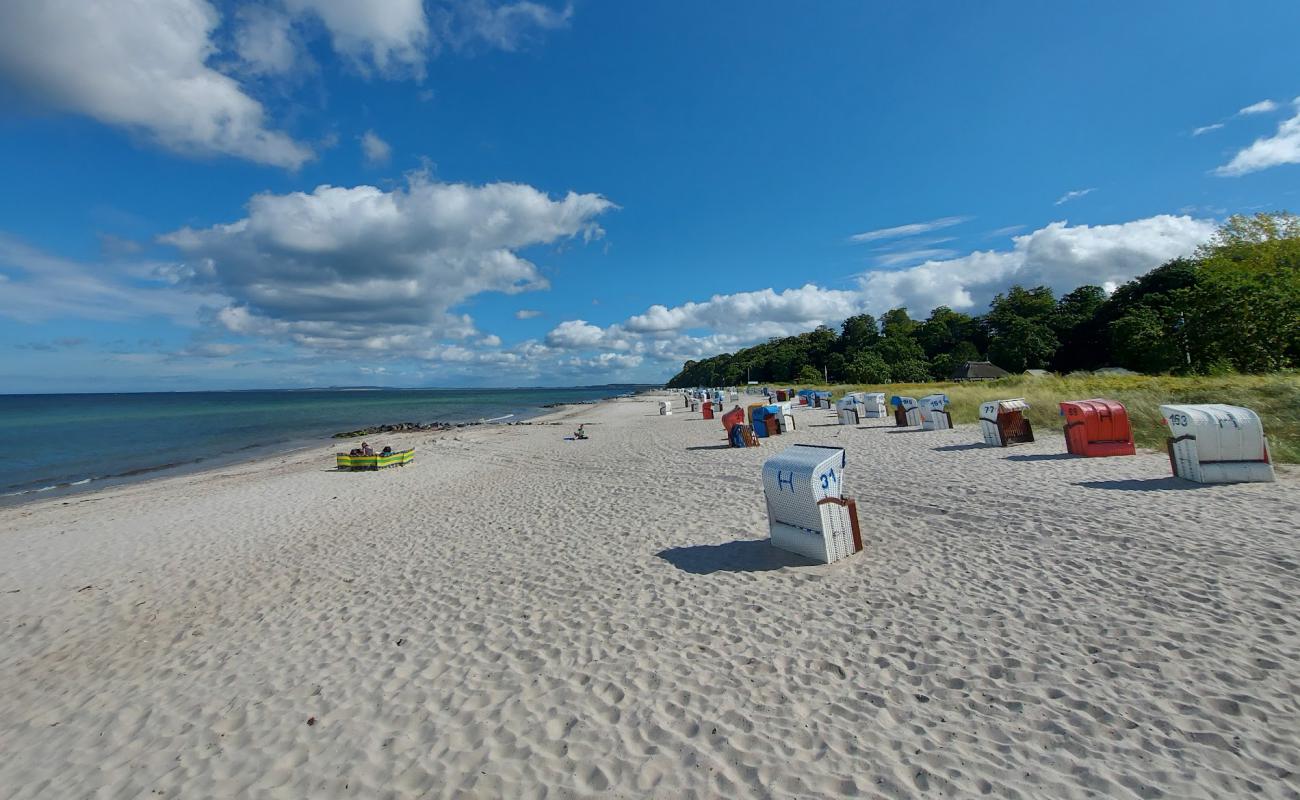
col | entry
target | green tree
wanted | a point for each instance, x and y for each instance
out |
(1020, 334)
(941, 332)
(867, 367)
(1023, 344)
(1142, 342)
(897, 349)
(809, 375)
(857, 334)
(896, 322)
(911, 370)
(836, 364)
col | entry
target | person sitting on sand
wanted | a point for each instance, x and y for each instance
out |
(365, 449)
(387, 451)
(580, 433)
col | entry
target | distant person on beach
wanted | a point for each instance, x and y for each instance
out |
(365, 449)
(387, 451)
(580, 433)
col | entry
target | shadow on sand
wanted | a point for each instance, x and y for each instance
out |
(1043, 457)
(956, 448)
(1169, 484)
(742, 555)
(710, 447)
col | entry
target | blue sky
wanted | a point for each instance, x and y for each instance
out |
(321, 192)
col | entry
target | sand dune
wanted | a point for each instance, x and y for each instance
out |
(521, 616)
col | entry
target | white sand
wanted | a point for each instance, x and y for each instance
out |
(520, 616)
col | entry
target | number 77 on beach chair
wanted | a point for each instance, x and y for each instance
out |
(806, 510)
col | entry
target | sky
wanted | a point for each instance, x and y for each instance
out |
(291, 193)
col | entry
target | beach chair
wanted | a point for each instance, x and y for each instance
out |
(786, 417)
(1097, 428)
(846, 410)
(1217, 444)
(1003, 422)
(906, 411)
(806, 510)
(933, 409)
(706, 409)
(665, 408)
(873, 405)
(732, 418)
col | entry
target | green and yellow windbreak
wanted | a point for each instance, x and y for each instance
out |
(397, 459)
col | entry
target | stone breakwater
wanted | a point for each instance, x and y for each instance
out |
(415, 427)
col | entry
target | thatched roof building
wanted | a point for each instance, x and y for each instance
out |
(979, 371)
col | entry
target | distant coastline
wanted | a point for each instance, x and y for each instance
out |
(87, 441)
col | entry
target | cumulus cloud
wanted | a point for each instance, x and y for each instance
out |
(1059, 255)
(369, 269)
(375, 149)
(140, 66)
(384, 36)
(804, 307)
(575, 333)
(911, 229)
(1073, 195)
(1283, 147)
(265, 41)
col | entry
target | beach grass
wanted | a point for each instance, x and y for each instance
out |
(1275, 397)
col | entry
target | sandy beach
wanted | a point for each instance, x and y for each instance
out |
(516, 615)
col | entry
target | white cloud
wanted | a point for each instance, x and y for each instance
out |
(1207, 128)
(40, 286)
(800, 308)
(1007, 231)
(906, 256)
(1281, 148)
(1262, 107)
(575, 334)
(141, 66)
(1074, 195)
(376, 150)
(911, 229)
(1059, 256)
(505, 26)
(265, 41)
(366, 269)
(527, 313)
(491, 340)
(387, 36)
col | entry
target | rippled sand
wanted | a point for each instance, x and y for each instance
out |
(521, 616)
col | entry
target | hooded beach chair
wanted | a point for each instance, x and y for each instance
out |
(1003, 422)
(1217, 444)
(806, 510)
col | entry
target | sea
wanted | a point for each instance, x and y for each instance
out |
(56, 444)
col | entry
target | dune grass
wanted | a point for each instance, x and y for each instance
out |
(1275, 397)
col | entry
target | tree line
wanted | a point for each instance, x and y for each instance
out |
(1233, 306)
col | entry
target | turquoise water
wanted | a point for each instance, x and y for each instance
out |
(56, 443)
